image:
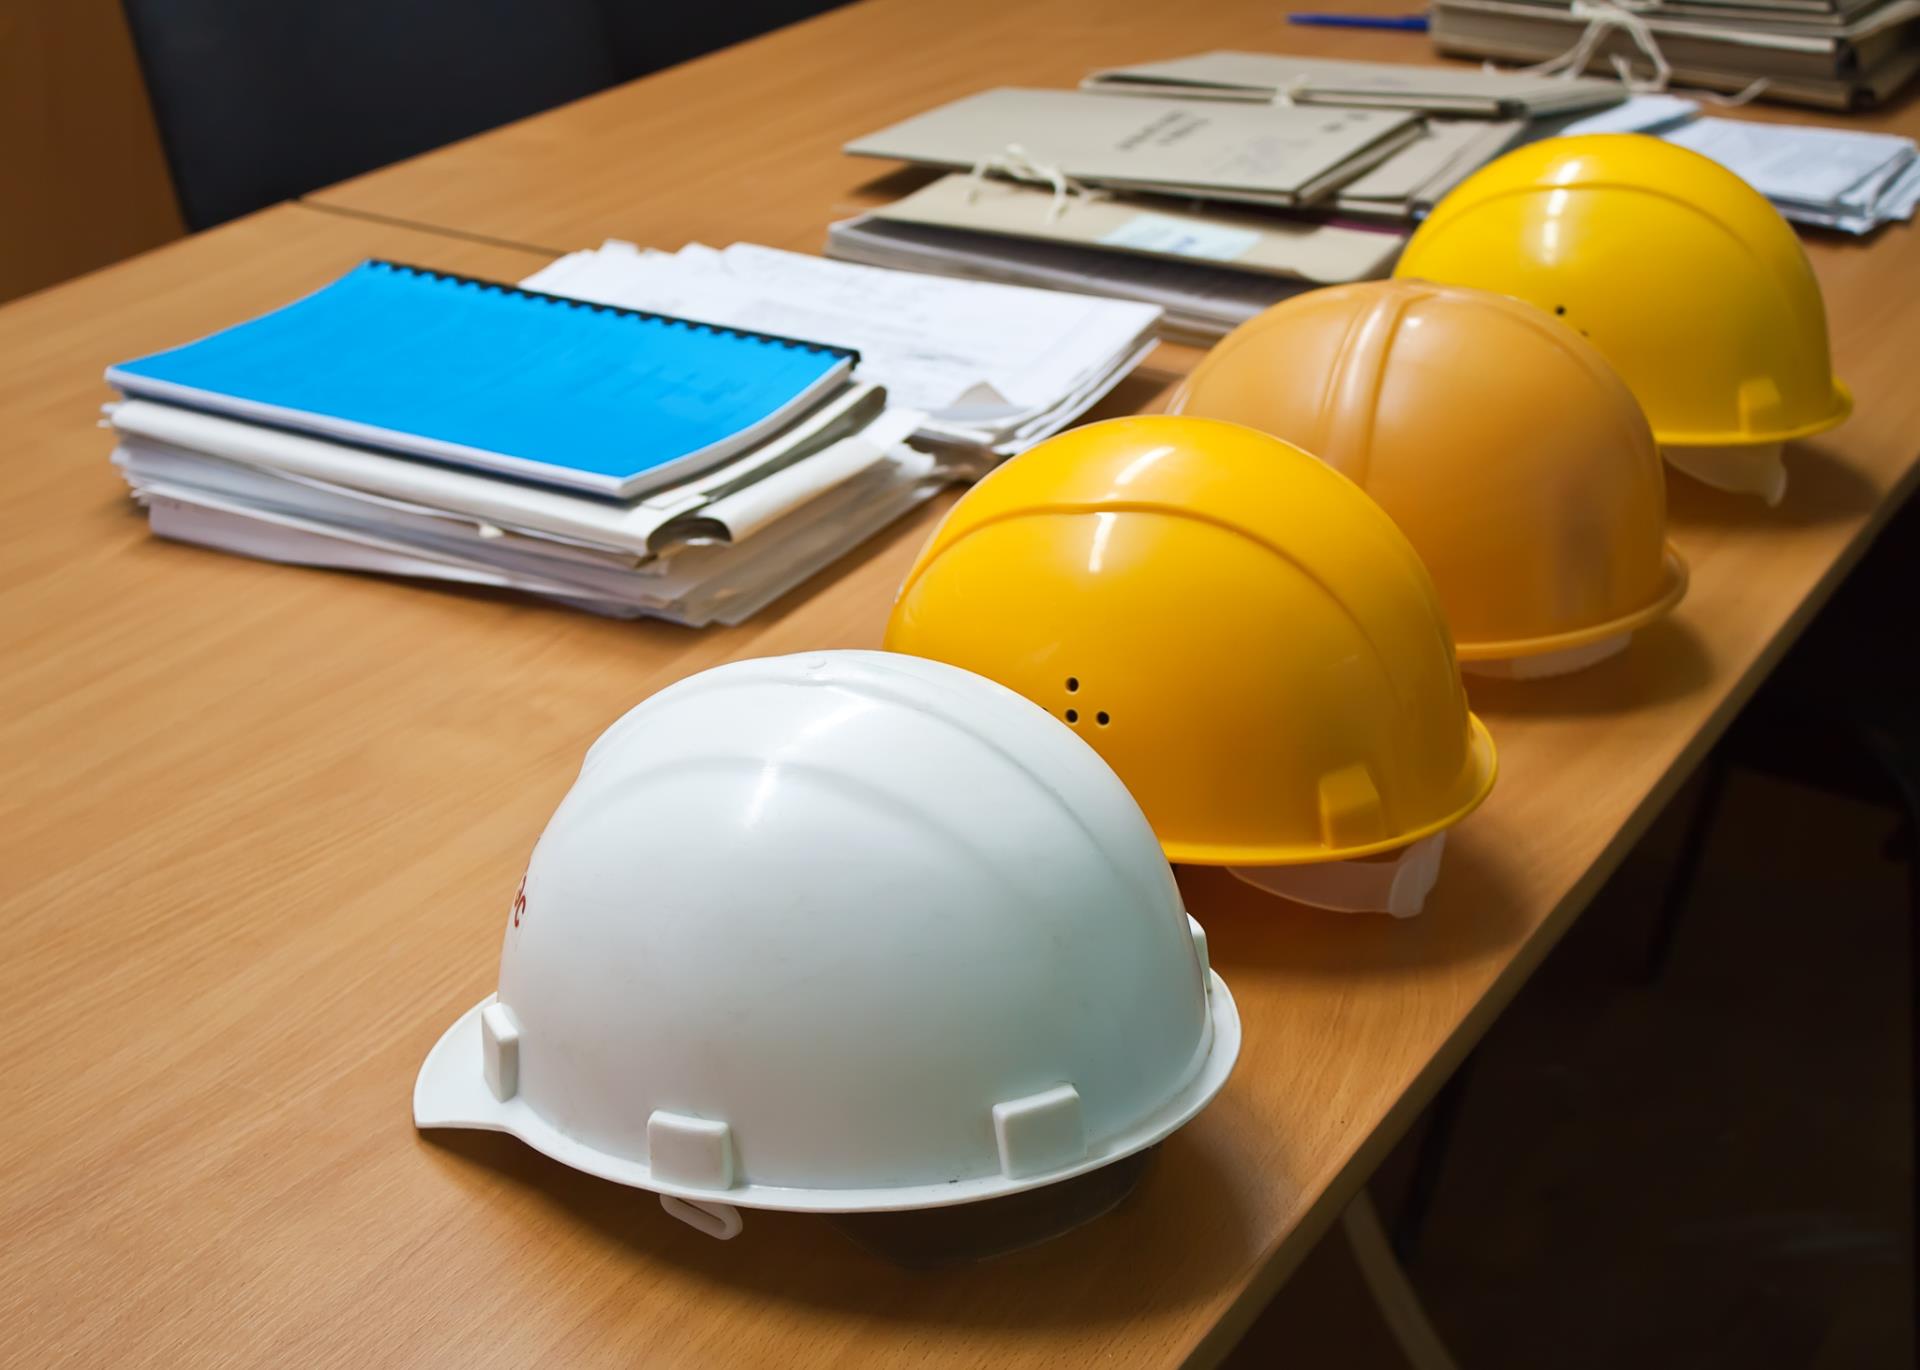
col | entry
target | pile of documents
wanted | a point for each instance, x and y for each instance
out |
(1844, 179)
(715, 550)
(414, 423)
(1266, 77)
(1211, 186)
(1208, 270)
(684, 436)
(1249, 154)
(1216, 185)
(993, 368)
(1836, 54)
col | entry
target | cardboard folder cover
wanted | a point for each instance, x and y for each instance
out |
(1754, 50)
(1484, 30)
(1784, 10)
(1810, 17)
(1265, 76)
(1263, 154)
(1297, 248)
(1417, 176)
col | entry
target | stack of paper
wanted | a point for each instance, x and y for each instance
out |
(713, 552)
(1472, 116)
(414, 423)
(1268, 175)
(1412, 181)
(1837, 54)
(1844, 179)
(995, 368)
(1209, 270)
(1639, 114)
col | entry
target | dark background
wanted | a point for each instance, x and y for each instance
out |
(258, 102)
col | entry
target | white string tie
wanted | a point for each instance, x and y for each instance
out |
(1289, 91)
(1603, 18)
(1013, 161)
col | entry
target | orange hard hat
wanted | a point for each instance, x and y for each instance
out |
(1505, 447)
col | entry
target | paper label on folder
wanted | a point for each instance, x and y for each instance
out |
(1182, 238)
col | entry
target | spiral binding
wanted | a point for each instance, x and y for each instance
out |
(673, 320)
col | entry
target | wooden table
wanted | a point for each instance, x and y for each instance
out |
(263, 823)
(744, 145)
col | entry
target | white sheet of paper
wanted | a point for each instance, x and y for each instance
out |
(699, 585)
(631, 527)
(1815, 166)
(950, 347)
(1638, 114)
(1899, 199)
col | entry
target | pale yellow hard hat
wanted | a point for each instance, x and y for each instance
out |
(1682, 274)
(1238, 629)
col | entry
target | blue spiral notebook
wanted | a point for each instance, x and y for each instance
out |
(427, 364)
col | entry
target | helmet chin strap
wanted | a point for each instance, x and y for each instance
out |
(720, 1221)
(1544, 665)
(1397, 883)
(1748, 469)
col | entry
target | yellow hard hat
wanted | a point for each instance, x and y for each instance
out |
(1242, 634)
(1504, 446)
(1683, 275)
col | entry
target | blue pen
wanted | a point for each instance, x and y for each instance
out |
(1408, 23)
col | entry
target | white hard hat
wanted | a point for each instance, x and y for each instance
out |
(840, 932)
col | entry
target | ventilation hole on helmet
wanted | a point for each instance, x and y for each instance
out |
(1073, 683)
(1073, 715)
(1103, 718)
(1559, 309)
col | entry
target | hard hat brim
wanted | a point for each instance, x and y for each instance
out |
(1839, 410)
(1673, 588)
(452, 1092)
(1476, 781)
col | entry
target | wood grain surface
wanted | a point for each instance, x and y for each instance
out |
(262, 825)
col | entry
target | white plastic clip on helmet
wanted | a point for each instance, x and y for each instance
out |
(847, 932)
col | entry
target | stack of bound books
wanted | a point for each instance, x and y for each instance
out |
(1835, 54)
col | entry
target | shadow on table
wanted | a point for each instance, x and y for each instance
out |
(1144, 391)
(1664, 661)
(896, 184)
(1821, 488)
(1471, 913)
(1182, 1228)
